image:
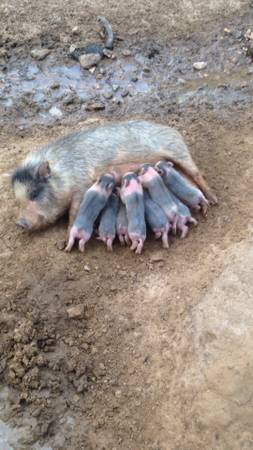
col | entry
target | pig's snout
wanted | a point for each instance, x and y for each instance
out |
(22, 222)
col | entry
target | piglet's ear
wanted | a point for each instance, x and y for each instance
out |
(170, 164)
(44, 171)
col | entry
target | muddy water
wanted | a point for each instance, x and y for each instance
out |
(155, 77)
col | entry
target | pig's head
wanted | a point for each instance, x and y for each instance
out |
(163, 167)
(34, 193)
(106, 183)
(128, 178)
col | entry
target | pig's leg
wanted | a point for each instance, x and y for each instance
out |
(81, 245)
(70, 244)
(127, 239)
(184, 230)
(193, 221)
(134, 245)
(165, 239)
(139, 247)
(204, 205)
(109, 244)
(122, 239)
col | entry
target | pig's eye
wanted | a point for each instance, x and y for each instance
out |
(34, 194)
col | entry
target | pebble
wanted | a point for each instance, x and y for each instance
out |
(55, 112)
(115, 87)
(76, 312)
(200, 65)
(134, 78)
(55, 85)
(126, 52)
(3, 52)
(157, 257)
(75, 30)
(107, 95)
(94, 106)
(89, 60)
(86, 268)
(108, 53)
(124, 92)
(250, 70)
(40, 53)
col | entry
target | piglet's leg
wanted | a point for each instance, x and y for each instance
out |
(109, 244)
(81, 245)
(74, 208)
(185, 230)
(193, 221)
(139, 247)
(165, 239)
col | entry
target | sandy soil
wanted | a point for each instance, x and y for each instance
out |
(160, 358)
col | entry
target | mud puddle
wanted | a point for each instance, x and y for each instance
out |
(142, 77)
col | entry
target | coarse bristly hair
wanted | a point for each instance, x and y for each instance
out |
(28, 182)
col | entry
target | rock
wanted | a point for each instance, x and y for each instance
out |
(55, 85)
(134, 78)
(86, 268)
(94, 106)
(124, 92)
(200, 65)
(250, 49)
(157, 257)
(108, 95)
(249, 34)
(75, 30)
(3, 52)
(250, 70)
(55, 112)
(126, 52)
(227, 30)
(89, 60)
(115, 87)
(40, 53)
(76, 312)
(109, 53)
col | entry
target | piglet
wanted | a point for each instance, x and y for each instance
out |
(157, 190)
(122, 225)
(185, 191)
(184, 217)
(156, 219)
(131, 194)
(93, 202)
(107, 224)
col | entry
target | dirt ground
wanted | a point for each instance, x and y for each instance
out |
(161, 357)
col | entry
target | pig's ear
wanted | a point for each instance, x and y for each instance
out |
(43, 171)
(170, 164)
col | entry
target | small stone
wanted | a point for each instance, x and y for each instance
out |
(118, 393)
(124, 92)
(134, 78)
(108, 53)
(3, 52)
(249, 35)
(75, 30)
(61, 244)
(250, 70)
(92, 70)
(40, 53)
(86, 268)
(227, 30)
(72, 49)
(94, 106)
(181, 81)
(157, 257)
(115, 87)
(89, 60)
(107, 95)
(55, 85)
(55, 112)
(76, 312)
(126, 52)
(200, 65)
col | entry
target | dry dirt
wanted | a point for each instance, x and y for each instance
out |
(161, 357)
